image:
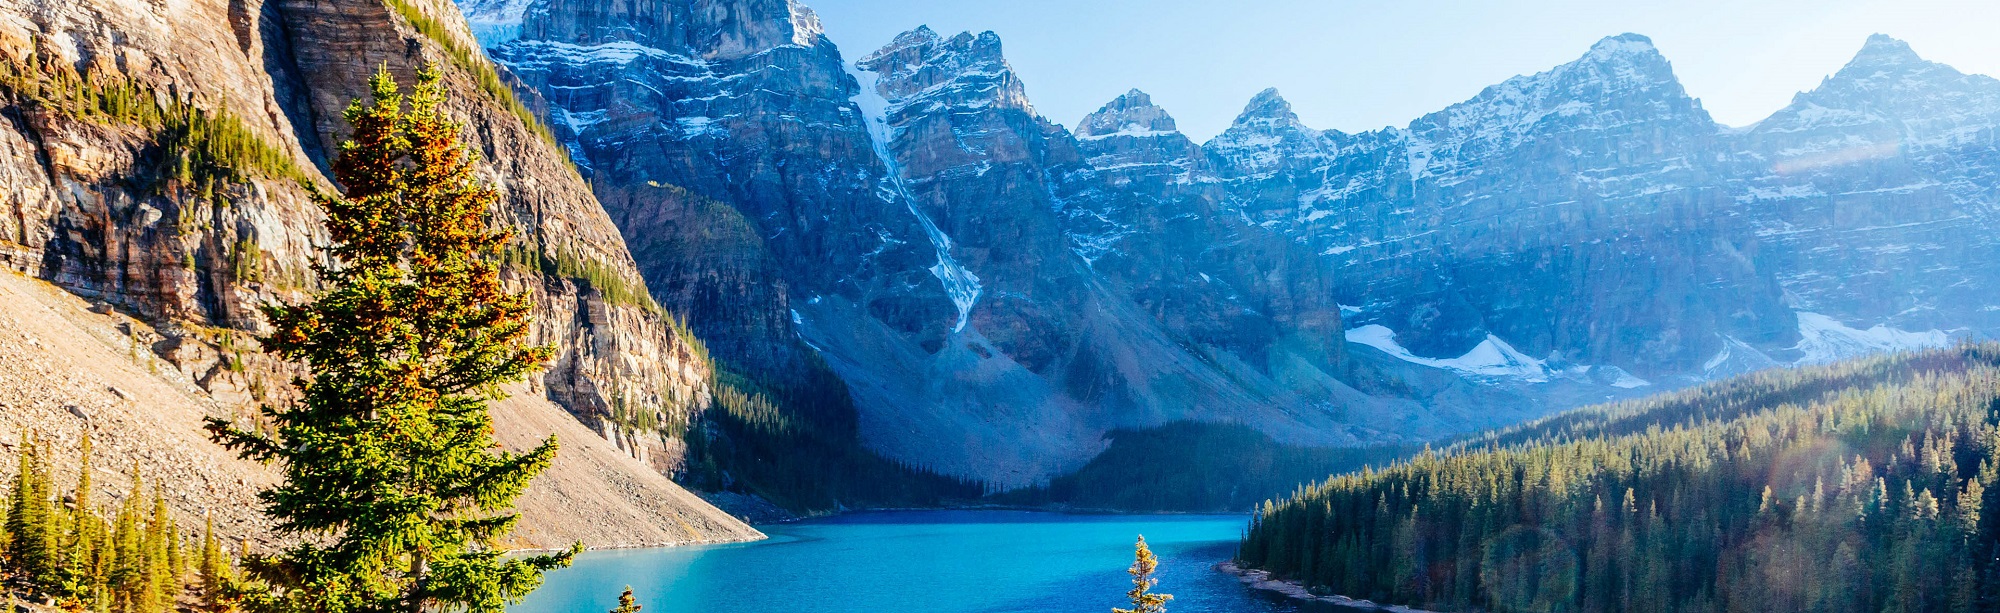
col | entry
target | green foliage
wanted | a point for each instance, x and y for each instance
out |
(627, 603)
(200, 147)
(474, 62)
(32, 520)
(1195, 467)
(67, 553)
(246, 261)
(214, 573)
(1853, 487)
(387, 455)
(1141, 595)
(798, 450)
(609, 281)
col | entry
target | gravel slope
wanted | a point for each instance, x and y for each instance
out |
(65, 370)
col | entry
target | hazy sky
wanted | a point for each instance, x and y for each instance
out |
(1356, 65)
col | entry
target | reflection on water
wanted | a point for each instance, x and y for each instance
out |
(931, 561)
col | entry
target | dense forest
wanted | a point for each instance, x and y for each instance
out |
(1194, 467)
(1858, 486)
(61, 547)
(801, 452)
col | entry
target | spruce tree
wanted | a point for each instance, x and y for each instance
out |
(214, 571)
(387, 454)
(627, 603)
(31, 520)
(79, 555)
(1143, 565)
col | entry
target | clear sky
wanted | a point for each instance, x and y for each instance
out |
(1360, 65)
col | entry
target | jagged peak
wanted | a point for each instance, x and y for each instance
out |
(1881, 52)
(922, 36)
(1267, 105)
(1132, 113)
(924, 42)
(1130, 99)
(1884, 47)
(1627, 44)
(806, 28)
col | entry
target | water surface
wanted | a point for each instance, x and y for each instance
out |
(920, 561)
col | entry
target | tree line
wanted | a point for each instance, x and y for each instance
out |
(1854, 487)
(62, 548)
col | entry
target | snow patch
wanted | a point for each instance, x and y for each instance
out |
(1824, 339)
(1492, 358)
(959, 283)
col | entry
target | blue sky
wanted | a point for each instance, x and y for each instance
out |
(1356, 65)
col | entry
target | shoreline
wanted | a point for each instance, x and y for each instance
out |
(1262, 580)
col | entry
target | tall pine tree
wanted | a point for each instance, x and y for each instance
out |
(31, 520)
(388, 457)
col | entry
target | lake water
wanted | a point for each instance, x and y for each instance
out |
(920, 561)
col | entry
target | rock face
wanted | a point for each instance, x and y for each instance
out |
(159, 157)
(1874, 194)
(1595, 214)
(996, 291)
(1574, 212)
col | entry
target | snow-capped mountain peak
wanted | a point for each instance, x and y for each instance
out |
(1627, 44)
(1267, 137)
(1885, 50)
(1132, 114)
(925, 72)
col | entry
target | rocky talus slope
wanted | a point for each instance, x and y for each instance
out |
(159, 157)
(68, 368)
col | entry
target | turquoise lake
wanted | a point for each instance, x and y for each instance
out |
(920, 561)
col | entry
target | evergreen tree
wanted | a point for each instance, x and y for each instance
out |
(31, 521)
(626, 603)
(387, 454)
(214, 572)
(1141, 596)
(1726, 499)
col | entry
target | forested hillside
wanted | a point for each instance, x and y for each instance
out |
(1195, 467)
(1859, 486)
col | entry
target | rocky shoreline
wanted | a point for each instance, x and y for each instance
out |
(1262, 580)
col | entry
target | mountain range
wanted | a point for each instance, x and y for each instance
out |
(834, 280)
(998, 291)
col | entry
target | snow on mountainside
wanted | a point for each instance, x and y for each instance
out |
(1268, 137)
(1875, 193)
(997, 291)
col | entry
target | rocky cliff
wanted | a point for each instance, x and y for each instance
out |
(159, 159)
(1593, 216)
(995, 291)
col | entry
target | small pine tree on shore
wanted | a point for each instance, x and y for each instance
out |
(627, 603)
(388, 456)
(1142, 596)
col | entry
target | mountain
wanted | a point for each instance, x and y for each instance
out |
(894, 223)
(1874, 192)
(1594, 214)
(1571, 214)
(904, 249)
(160, 160)
(908, 286)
